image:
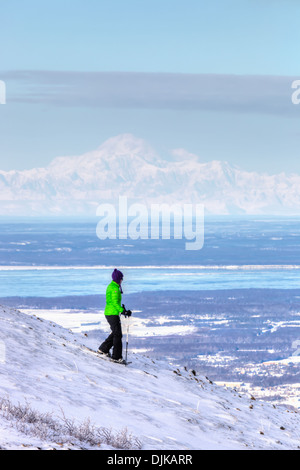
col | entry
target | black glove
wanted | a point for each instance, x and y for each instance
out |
(126, 313)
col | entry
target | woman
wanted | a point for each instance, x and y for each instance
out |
(113, 309)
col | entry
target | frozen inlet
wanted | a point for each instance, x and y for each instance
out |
(2, 92)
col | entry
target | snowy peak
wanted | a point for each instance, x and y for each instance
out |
(116, 149)
(58, 380)
(127, 165)
(127, 145)
(117, 160)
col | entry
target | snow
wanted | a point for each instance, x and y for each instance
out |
(47, 366)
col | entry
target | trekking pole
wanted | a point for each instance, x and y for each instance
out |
(127, 335)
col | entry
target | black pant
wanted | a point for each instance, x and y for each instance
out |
(115, 338)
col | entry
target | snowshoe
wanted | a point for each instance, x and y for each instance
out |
(121, 361)
(104, 354)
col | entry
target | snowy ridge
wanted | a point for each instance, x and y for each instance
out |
(46, 367)
(127, 165)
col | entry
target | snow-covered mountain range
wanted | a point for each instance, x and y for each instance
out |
(127, 166)
(55, 394)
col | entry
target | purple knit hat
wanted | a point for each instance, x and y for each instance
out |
(117, 276)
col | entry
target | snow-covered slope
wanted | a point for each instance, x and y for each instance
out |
(126, 165)
(46, 371)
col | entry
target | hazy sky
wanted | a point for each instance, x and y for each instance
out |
(211, 77)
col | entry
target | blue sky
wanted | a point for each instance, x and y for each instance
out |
(156, 45)
(191, 36)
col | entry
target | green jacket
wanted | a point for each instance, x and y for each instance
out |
(113, 299)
